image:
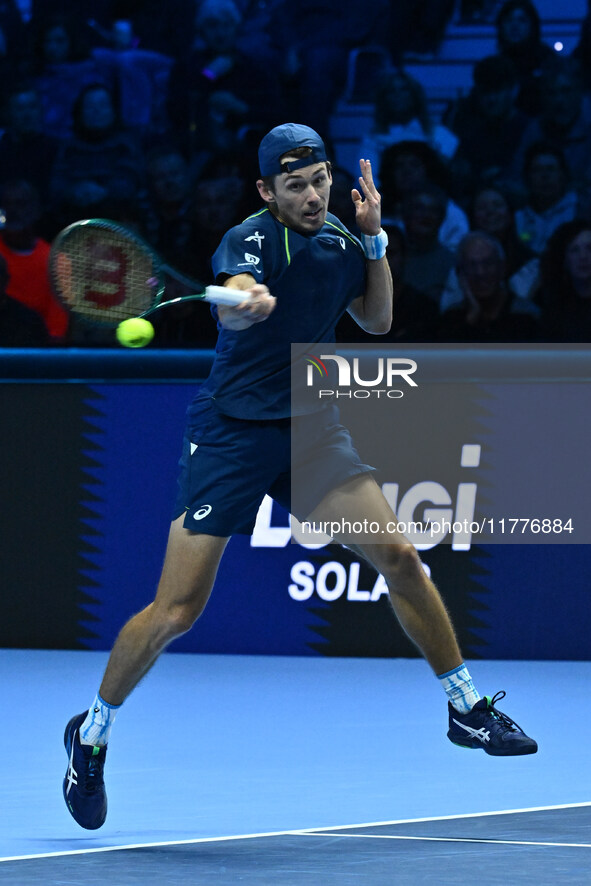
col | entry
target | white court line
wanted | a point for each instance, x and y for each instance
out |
(299, 832)
(377, 824)
(451, 840)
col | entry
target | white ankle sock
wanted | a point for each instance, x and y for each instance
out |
(460, 689)
(96, 729)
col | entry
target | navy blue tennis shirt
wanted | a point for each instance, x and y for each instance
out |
(314, 279)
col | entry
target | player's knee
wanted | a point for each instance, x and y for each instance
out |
(178, 620)
(400, 563)
(184, 617)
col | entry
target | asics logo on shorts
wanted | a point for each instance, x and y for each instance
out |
(202, 512)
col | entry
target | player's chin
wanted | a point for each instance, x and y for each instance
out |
(313, 221)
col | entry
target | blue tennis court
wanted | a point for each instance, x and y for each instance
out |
(286, 770)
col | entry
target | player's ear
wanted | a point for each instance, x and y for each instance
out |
(265, 191)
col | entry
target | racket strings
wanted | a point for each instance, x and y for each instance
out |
(103, 276)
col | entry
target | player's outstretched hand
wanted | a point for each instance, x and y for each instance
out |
(368, 203)
(257, 305)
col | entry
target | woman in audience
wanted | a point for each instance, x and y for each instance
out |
(410, 165)
(101, 163)
(401, 114)
(519, 39)
(61, 65)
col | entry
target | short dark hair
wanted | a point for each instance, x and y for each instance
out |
(539, 149)
(429, 189)
(478, 237)
(531, 12)
(494, 73)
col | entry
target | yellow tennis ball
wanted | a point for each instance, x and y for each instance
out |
(135, 333)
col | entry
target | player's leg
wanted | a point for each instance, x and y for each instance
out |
(227, 466)
(189, 571)
(474, 722)
(416, 601)
(187, 578)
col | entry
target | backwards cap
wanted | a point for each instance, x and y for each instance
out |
(285, 138)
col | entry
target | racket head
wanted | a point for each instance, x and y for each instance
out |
(104, 273)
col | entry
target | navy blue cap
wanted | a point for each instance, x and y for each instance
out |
(284, 139)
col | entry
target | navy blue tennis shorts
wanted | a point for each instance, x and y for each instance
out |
(228, 465)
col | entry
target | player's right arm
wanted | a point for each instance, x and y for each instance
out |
(253, 309)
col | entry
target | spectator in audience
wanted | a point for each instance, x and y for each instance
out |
(20, 326)
(492, 213)
(166, 210)
(581, 54)
(220, 197)
(27, 257)
(315, 40)
(199, 213)
(400, 115)
(26, 152)
(12, 30)
(164, 28)
(488, 124)
(407, 166)
(519, 40)
(565, 120)
(100, 163)
(472, 11)
(566, 283)
(13, 48)
(428, 262)
(141, 76)
(417, 28)
(551, 199)
(217, 90)
(415, 314)
(61, 65)
(260, 28)
(97, 10)
(489, 312)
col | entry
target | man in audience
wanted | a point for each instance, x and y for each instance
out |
(428, 261)
(489, 313)
(551, 200)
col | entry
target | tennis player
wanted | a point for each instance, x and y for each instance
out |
(301, 270)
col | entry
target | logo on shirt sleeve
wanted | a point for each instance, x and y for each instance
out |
(251, 261)
(257, 237)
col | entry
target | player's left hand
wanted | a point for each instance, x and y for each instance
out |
(368, 203)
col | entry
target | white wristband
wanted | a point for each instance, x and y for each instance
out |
(374, 246)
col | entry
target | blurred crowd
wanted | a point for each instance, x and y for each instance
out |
(150, 114)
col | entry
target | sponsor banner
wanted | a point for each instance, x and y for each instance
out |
(87, 480)
(476, 447)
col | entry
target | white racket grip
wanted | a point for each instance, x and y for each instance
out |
(223, 295)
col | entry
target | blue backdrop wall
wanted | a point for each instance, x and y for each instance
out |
(88, 475)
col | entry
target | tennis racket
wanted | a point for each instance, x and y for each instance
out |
(105, 274)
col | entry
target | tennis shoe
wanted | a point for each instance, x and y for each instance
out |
(488, 728)
(84, 788)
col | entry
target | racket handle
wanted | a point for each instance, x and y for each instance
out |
(223, 295)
